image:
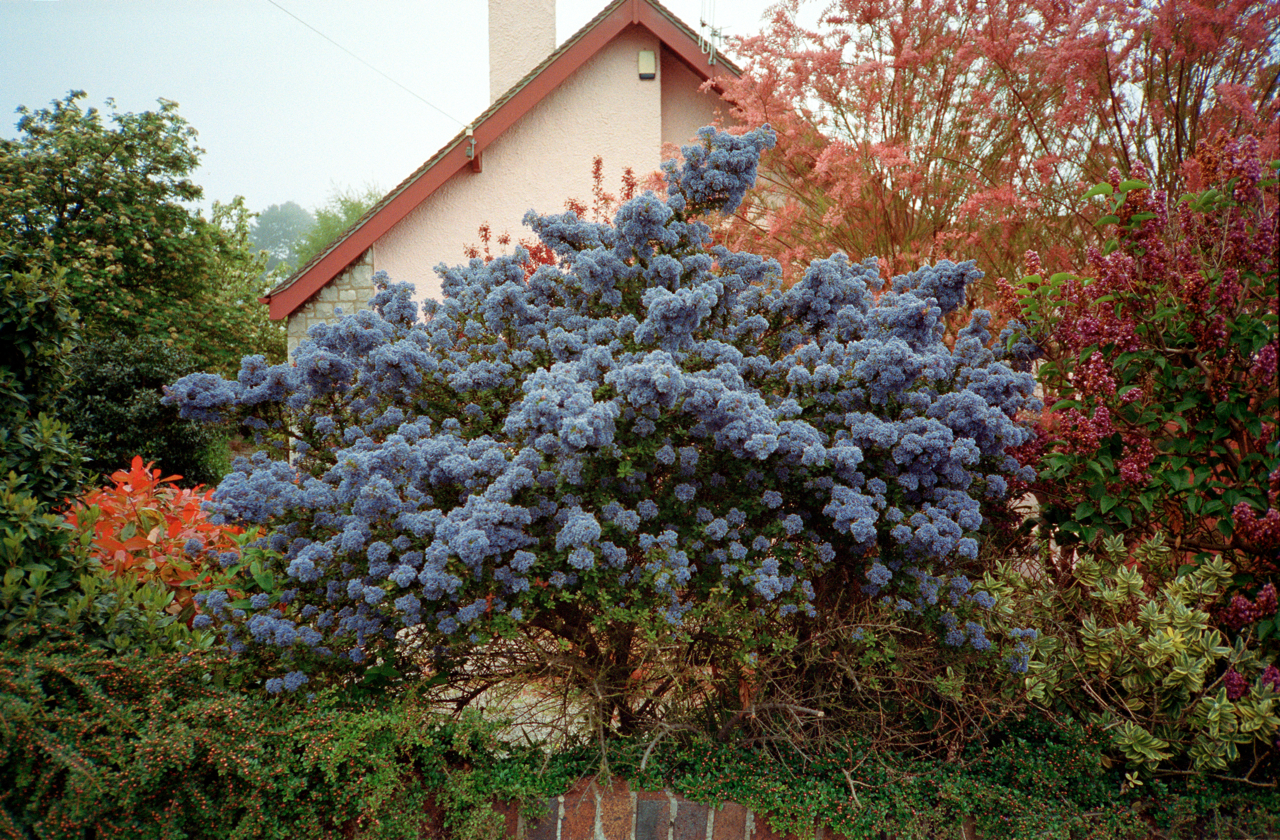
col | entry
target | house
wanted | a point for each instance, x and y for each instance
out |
(622, 86)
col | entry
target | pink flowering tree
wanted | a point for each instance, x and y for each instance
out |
(1161, 374)
(917, 130)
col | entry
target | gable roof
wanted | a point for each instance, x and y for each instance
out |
(677, 37)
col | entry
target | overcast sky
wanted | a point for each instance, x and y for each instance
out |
(283, 114)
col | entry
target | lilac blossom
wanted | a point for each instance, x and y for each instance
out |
(648, 420)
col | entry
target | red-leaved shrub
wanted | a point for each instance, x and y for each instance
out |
(147, 526)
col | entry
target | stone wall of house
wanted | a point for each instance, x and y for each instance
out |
(349, 291)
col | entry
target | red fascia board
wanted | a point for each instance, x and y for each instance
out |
(288, 300)
(678, 42)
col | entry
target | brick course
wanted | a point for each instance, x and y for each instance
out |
(591, 812)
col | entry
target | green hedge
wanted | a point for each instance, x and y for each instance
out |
(134, 747)
(137, 747)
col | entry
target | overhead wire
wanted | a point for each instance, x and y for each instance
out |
(395, 82)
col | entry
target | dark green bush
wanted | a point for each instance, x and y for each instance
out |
(39, 461)
(115, 412)
(154, 747)
(48, 584)
(1032, 778)
(37, 330)
(132, 746)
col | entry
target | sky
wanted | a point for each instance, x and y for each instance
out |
(282, 113)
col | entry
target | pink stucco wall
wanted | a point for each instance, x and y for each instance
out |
(685, 108)
(521, 34)
(545, 158)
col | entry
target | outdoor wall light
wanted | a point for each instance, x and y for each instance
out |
(648, 62)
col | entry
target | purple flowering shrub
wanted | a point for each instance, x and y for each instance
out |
(650, 438)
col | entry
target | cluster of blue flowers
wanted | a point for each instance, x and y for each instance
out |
(653, 417)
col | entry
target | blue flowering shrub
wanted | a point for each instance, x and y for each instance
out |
(649, 446)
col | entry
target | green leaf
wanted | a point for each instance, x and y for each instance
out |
(1083, 511)
(1099, 189)
(1109, 219)
(1126, 186)
(1108, 503)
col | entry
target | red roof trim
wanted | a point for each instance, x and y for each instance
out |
(501, 115)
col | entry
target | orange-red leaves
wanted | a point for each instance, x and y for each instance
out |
(142, 524)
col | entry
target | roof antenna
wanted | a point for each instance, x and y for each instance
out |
(708, 34)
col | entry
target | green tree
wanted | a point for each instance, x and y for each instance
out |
(106, 200)
(341, 210)
(277, 229)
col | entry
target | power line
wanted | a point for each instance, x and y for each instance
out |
(412, 93)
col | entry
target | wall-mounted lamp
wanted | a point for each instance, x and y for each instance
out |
(648, 63)
(472, 155)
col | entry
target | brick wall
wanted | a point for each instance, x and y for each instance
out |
(350, 290)
(594, 812)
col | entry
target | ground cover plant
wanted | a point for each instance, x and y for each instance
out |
(651, 441)
(134, 746)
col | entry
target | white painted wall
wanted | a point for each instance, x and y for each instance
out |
(545, 158)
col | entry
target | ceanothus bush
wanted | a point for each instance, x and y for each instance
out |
(650, 421)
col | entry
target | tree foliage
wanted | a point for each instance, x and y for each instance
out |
(277, 228)
(115, 412)
(343, 208)
(917, 130)
(106, 201)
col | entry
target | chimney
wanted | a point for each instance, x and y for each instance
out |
(521, 34)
